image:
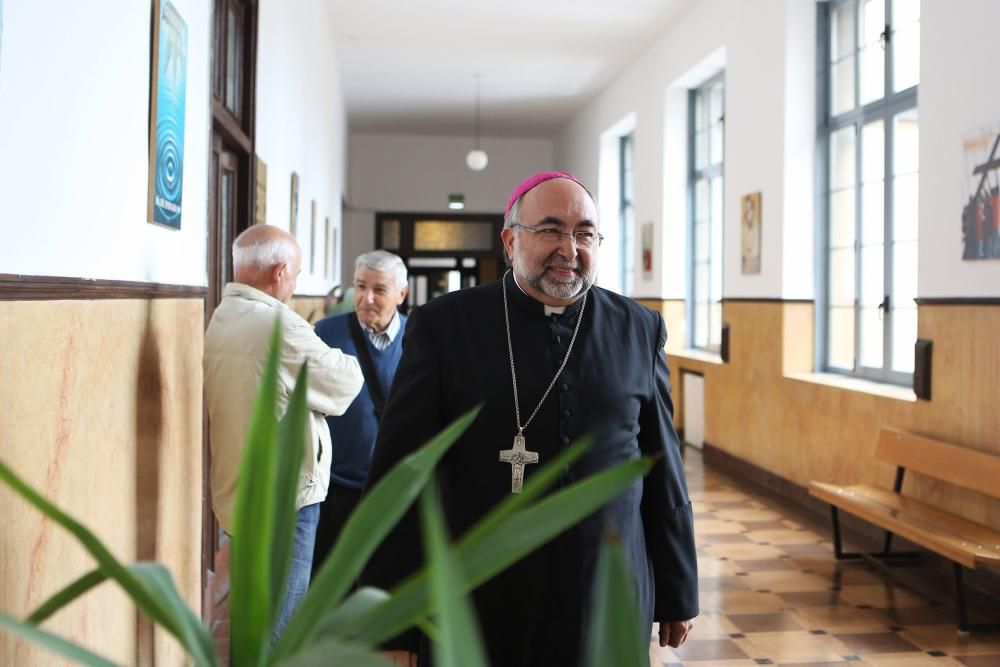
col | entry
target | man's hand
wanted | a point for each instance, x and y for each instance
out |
(401, 658)
(673, 633)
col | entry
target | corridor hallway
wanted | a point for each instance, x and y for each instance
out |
(773, 594)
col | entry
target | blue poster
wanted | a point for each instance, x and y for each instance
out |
(167, 162)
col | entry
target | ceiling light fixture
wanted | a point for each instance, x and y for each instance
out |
(477, 159)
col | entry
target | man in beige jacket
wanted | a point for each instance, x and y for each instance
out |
(266, 264)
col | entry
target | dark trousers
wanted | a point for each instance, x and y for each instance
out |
(333, 513)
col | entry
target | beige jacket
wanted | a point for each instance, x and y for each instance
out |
(235, 352)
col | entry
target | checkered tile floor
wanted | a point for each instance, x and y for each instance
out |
(773, 594)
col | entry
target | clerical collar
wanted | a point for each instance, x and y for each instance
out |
(558, 310)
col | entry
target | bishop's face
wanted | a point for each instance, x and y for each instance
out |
(553, 269)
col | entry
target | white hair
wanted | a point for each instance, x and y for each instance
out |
(384, 262)
(258, 253)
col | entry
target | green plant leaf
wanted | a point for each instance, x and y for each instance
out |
(66, 595)
(251, 580)
(460, 641)
(616, 635)
(380, 509)
(509, 540)
(53, 642)
(329, 652)
(356, 605)
(291, 451)
(170, 612)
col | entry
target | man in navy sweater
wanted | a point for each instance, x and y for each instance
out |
(374, 334)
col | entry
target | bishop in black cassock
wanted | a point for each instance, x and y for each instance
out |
(615, 384)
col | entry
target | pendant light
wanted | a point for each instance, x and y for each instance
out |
(477, 159)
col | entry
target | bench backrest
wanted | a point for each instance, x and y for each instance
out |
(963, 467)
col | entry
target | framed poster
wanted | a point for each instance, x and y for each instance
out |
(750, 232)
(647, 249)
(328, 248)
(981, 206)
(260, 197)
(168, 82)
(293, 215)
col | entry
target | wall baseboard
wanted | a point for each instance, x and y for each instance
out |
(14, 287)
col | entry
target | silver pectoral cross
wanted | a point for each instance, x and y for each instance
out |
(518, 457)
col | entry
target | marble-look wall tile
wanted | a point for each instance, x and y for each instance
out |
(101, 410)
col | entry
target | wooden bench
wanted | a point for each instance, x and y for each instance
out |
(967, 543)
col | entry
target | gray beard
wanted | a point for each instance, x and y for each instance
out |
(553, 288)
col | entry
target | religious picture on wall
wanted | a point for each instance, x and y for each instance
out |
(647, 249)
(750, 232)
(981, 203)
(168, 83)
(293, 215)
(312, 237)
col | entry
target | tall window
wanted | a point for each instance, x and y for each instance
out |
(626, 213)
(707, 118)
(869, 318)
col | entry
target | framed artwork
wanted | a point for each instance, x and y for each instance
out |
(750, 232)
(167, 96)
(647, 249)
(312, 237)
(293, 215)
(981, 208)
(260, 196)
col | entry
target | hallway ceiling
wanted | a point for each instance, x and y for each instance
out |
(409, 66)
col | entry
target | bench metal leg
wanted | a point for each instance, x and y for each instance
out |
(838, 548)
(964, 626)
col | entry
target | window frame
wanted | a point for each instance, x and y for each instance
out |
(626, 205)
(885, 109)
(709, 172)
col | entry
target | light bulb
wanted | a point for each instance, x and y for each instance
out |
(477, 159)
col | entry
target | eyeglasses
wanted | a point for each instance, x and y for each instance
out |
(584, 239)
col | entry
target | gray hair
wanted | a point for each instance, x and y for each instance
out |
(385, 262)
(258, 251)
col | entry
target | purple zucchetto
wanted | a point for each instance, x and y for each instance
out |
(527, 184)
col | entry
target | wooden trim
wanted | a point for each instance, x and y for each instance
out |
(763, 299)
(959, 301)
(230, 127)
(15, 287)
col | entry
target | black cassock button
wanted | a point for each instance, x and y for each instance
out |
(557, 340)
(564, 387)
(566, 413)
(565, 440)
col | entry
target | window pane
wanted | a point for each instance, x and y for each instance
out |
(905, 12)
(906, 58)
(234, 61)
(842, 219)
(904, 336)
(717, 199)
(906, 143)
(872, 22)
(873, 152)
(701, 149)
(871, 338)
(715, 103)
(873, 213)
(699, 111)
(872, 73)
(701, 211)
(905, 194)
(701, 283)
(842, 86)
(904, 274)
(842, 32)
(842, 277)
(840, 333)
(701, 242)
(390, 234)
(872, 275)
(842, 158)
(715, 143)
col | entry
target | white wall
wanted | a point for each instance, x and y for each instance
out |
(395, 172)
(749, 35)
(301, 124)
(958, 95)
(74, 104)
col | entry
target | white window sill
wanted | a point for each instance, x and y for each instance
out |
(693, 354)
(885, 390)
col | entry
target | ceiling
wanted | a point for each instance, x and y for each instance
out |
(410, 66)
